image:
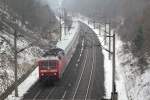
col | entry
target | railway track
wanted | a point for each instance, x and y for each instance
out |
(82, 89)
(82, 80)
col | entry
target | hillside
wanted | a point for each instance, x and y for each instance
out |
(36, 26)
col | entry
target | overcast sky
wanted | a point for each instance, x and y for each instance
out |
(54, 3)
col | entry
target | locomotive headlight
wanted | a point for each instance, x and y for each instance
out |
(42, 74)
(55, 73)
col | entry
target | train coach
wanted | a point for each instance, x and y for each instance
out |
(52, 65)
(54, 62)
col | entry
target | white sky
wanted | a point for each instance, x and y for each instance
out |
(54, 3)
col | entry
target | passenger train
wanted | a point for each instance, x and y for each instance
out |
(54, 62)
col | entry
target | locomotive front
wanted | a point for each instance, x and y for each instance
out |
(48, 69)
(51, 64)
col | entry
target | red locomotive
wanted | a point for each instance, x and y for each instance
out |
(52, 64)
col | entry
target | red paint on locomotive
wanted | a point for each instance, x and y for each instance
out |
(52, 67)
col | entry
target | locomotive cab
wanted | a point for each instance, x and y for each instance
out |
(48, 69)
(51, 65)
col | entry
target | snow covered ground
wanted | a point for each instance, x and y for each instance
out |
(137, 84)
(23, 87)
(25, 60)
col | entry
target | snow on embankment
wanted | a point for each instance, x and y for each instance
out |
(137, 84)
(25, 59)
(108, 65)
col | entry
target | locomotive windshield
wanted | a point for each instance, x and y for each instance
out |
(48, 64)
(55, 52)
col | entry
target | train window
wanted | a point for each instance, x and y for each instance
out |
(48, 63)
